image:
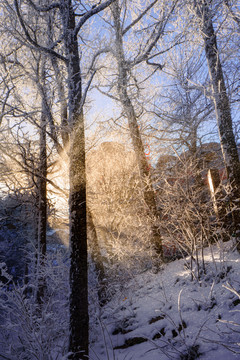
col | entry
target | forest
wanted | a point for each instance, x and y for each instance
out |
(119, 179)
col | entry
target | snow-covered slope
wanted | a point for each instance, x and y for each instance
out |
(170, 316)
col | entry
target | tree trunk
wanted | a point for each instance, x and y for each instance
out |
(97, 259)
(129, 112)
(222, 109)
(78, 344)
(63, 102)
(79, 322)
(42, 208)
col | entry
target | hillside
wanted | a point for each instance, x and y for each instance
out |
(169, 316)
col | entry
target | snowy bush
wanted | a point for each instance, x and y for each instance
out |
(189, 220)
(32, 331)
(120, 236)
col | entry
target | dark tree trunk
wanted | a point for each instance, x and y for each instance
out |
(42, 207)
(130, 114)
(78, 343)
(79, 322)
(79, 319)
(97, 259)
(222, 108)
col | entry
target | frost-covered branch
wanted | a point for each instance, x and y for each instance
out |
(28, 169)
(236, 17)
(90, 13)
(48, 50)
(83, 99)
(4, 105)
(155, 36)
(107, 94)
(139, 17)
(44, 8)
(98, 53)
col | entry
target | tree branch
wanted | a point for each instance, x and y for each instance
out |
(235, 17)
(43, 8)
(107, 94)
(86, 90)
(33, 42)
(4, 105)
(139, 17)
(155, 37)
(157, 65)
(90, 13)
(98, 53)
(28, 169)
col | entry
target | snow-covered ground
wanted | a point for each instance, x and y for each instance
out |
(169, 316)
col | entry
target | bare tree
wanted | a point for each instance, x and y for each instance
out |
(126, 98)
(222, 104)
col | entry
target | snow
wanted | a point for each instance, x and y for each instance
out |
(152, 316)
(174, 316)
